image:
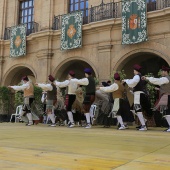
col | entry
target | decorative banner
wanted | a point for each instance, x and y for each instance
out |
(71, 31)
(18, 41)
(134, 21)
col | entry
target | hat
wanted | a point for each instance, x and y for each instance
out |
(137, 67)
(87, 70)
(104, 84)
(165, 69)
(108, 81)
(25, 78)
(116, 76)
(72, 73)
(51, 78)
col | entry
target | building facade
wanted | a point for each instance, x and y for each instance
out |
(101, 50)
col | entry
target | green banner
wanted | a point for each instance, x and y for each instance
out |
(18, 41)
(134, 21)
(71, 31)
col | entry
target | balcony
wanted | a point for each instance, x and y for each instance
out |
(32, 27)
(110, 10)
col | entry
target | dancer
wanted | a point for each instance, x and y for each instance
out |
(27, 87)
(71, 95)
(51, 97)
(140, 100)
(103, 102)
(121, 108)
(90, 88)
(164, 102)
(78, 106)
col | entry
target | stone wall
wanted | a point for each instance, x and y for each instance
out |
(102, 49)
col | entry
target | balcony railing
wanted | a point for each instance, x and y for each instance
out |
(32, 27)
(110, 10)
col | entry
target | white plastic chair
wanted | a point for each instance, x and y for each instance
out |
(17, 113)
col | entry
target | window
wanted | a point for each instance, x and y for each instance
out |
(79, 5)
(151, 5)
(26, 14)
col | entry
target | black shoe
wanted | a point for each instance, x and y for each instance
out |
(138, 127)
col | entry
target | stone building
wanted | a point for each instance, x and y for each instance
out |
(101, 50)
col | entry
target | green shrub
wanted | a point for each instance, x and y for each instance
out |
(4, 100)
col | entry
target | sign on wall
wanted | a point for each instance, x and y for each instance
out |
(134, 21)
(71, 31)
(18, 41)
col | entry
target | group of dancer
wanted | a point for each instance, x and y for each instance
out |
(120, 109)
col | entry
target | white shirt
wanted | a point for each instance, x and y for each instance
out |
(72, 84)
(132, 82)
(110, 88)
(158, 81)
(22, 87)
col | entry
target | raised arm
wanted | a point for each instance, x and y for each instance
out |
(132, 82)
(62, 84)
(109, 89)
(45, 87)
(20, 88)
(158, 81)
(83, 81)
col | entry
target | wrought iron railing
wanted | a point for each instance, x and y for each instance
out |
(110, 10)
(32, 27)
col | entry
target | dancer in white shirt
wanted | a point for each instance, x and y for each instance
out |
(51, 97)
(164, 103)
(140, 100)
(70, 96)
(27, 87)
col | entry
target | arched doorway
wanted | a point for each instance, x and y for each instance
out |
(14, 76)
(76, 65)
(150, 63)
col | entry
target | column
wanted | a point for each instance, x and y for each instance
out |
(104, 52)
(104, 67)
(1, 69)
(44, 65)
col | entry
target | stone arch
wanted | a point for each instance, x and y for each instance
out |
(15, 73)
(127, 57)
(75, 63)
(151, 61)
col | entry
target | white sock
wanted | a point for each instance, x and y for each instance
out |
(168, 119)
(119, 119)
(70, 116)
(87, 117)
(29, 116)
(141, 118)
(52, 118)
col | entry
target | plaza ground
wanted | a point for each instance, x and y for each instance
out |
(59, 148)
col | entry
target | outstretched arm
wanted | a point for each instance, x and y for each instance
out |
(83, 81)
(20, 88)
(62, 84)
(132, 82)
(46, 87)
(158, 81)
(109, 89)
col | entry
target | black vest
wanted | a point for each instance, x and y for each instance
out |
(52, 95)
(91, 87)
(140, 86)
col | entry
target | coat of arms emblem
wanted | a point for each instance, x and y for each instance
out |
(133, 21)
(71, 31)
(17, 41)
